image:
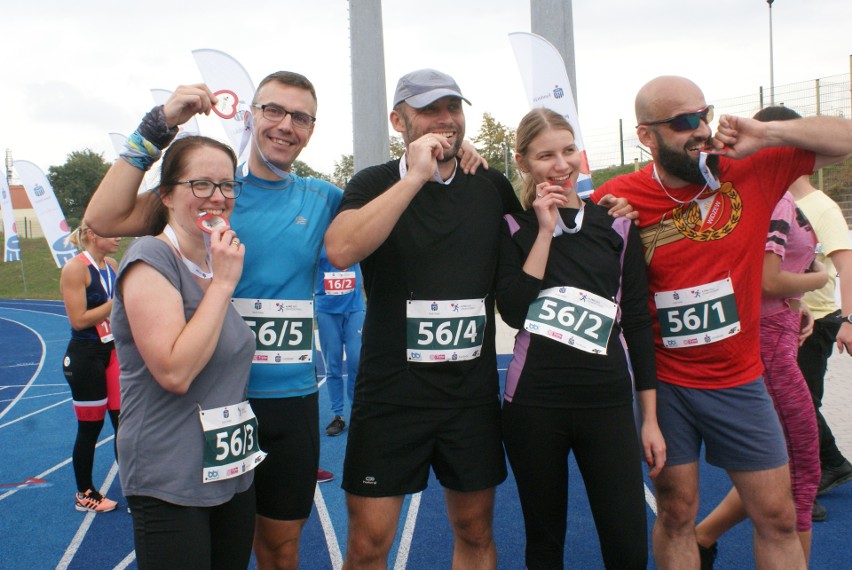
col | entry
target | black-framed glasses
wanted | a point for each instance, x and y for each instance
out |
(230, 189)
(686, 121)
(276, 114)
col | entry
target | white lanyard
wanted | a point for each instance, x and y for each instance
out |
(578, 223)
(107, 283)
(403, 168)
(197, 271)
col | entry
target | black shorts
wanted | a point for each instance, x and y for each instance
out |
(289, 433)
(91, 369)
(391, 448)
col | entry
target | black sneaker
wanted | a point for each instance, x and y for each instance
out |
(818, 512)
(834, 477)
(337, 425)
(707, 554)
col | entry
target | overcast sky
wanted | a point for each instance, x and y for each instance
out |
(74, 71)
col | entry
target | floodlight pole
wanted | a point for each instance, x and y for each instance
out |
(771, 63)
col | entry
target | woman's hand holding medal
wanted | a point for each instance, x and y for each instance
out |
(227, 252)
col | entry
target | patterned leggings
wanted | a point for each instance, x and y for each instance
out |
(789, 391)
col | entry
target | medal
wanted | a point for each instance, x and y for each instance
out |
(210, 222)
(226, 104)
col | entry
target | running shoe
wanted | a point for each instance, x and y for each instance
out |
(324, 476)
(337, 425)
(707, 555)
(834, 477)
(93, 502)
(818, 512)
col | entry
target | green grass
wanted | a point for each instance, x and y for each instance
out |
(39, 270)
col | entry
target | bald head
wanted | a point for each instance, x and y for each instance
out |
(666, 96)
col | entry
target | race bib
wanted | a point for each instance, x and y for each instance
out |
(573, 317)
(104, 331)
(231, 447)
(283, 330)
(698, 315)
(339, 283)
(444, 331)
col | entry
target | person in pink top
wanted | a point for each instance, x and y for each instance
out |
(789, 270)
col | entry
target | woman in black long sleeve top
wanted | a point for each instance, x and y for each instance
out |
(572, 279)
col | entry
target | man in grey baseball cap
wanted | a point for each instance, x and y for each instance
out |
(427, 233)
(424, 86)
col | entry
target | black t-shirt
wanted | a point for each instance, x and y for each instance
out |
(548, 373)
(444, 247)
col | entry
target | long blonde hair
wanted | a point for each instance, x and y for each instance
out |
(533, 124)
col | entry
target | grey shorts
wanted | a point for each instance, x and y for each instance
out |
(739, 426)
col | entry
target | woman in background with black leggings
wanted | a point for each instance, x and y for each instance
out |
(90, 366)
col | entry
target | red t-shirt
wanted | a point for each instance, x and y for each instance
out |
(709, 251)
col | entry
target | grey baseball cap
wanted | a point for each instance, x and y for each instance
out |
(424, 86)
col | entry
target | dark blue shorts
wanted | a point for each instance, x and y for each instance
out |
(739, 426)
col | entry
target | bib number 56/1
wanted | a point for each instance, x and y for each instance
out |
(699, 315)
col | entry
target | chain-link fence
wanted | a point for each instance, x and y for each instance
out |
(827, 96)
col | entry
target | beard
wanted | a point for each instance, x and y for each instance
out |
(679, 164)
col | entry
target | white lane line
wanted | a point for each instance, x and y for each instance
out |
(88, 519)
(328, 530)
(650, 499)
(128, 560)
(35, 374)
(50, 395)
(16, 420)
(407, 533)
(44, 474)
(4, 386)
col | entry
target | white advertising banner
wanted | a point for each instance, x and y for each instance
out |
(232, 85)
(12, 247)
(47, 209)
(546, 83)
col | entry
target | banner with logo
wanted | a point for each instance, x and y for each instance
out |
(12, 247)
(47, 210)
(231, 83)
(546, 83)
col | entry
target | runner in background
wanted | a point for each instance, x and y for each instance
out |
(340, 317)
(90, 366)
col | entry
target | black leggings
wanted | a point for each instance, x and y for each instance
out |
(606, 447)
(193, 538)
(813, 361)
(83, 457)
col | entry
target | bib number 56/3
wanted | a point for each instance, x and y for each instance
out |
(231, 444)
